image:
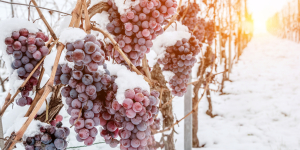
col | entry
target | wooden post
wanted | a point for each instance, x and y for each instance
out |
(229, 41)
(188, 120)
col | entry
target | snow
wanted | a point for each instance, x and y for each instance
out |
(14, 82)
(126, 80)
(71, 34)
(175, 32)
(168, 75)
(32, 130)
(101, 20)
(124, 5)
(43, 107)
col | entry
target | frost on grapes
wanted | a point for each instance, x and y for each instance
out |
(169, 38)
(126, 80)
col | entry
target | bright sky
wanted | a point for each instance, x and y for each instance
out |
(262, 10)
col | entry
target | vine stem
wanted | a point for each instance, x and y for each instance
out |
(146, 67)
(116, 46)
(44, 20)
(76, 14)
(98, 8)
(88, 25)
(196, 106)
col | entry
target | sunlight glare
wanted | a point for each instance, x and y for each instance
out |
(262, 10)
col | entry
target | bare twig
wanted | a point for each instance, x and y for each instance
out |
(98, 8)
(34, 6)
(40, 78)
(146, 67)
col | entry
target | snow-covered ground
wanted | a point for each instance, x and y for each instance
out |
(261, 107)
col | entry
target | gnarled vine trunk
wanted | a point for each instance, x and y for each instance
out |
(167, 110)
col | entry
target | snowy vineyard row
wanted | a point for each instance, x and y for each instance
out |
(99, 72)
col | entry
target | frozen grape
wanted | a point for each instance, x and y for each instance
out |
(37, 55)
(78, 55)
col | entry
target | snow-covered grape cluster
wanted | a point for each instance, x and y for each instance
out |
(191, 20)
(135, 30)
(27, 50)
(210, 31)
(83, 82)
(130, 120)
(180, 59)
(51, 138)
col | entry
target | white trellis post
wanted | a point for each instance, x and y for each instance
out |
(188, 107)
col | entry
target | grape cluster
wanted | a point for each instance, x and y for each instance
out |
(83, 82)
(190, 18)
(180, 59)
(27, 49)
(210, 31)
(194, 23)
(51, 138)
(131, 120)
(135, 30)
